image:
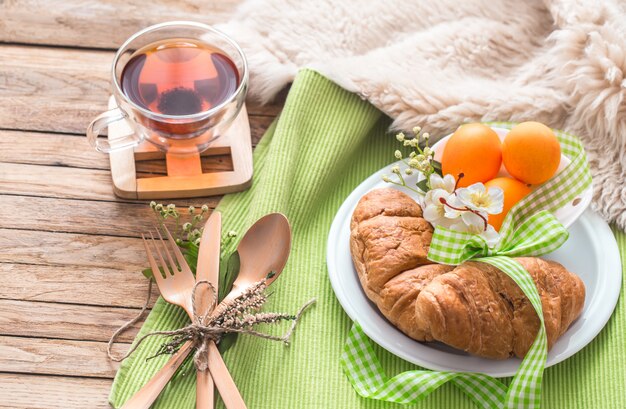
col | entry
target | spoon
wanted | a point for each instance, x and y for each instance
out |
(263, 249)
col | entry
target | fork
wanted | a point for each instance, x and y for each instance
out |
(177, 288)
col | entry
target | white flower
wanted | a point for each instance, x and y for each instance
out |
(434, 208)
(423, 166)
(454, 207)
(490, 235)
(446, 183)
(477, 197)
(475, 221)
(398, 154)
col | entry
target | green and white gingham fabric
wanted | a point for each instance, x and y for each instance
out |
(367, 376)
(540, 234)
(529, 229)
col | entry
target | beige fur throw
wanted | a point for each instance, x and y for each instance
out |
(440, 63)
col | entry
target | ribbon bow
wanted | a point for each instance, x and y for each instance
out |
(539, 234)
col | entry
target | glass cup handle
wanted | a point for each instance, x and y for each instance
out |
(105, 145)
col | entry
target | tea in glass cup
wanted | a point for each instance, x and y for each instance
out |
(179, 85)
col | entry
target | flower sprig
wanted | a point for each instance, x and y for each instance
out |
(444, 203)
(188, 231)
(464, 209)
(420, 159)
(239, 315)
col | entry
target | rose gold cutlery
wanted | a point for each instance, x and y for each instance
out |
(176, 288)
(208, 269)
(264, 249)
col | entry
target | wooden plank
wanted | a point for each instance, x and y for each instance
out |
(20, 391)
(58, 357)
(41, 91)
(78, 216)
(95, 23)
(38, 148)
(65, 321)
(75, 285)
(259, 123)
(67, 183)
(66, 249)
(55, 181)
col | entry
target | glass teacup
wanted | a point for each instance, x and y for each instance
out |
(179, 85)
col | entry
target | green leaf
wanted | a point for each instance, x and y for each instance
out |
(192, 260)
(437, 167)
(227, 341)
(422, 185)
(191, 248)
(190, 254)
(147, 272)
(229, 269)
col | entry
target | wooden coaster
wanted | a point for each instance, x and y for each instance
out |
(185, 177)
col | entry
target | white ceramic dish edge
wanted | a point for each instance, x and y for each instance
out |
(404, 347)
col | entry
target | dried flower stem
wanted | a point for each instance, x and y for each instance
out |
(233, 317)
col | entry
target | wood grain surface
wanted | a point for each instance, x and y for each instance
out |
(69, 249)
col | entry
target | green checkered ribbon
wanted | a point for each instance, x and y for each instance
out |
(529, 229)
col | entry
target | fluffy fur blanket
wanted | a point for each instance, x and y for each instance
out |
(440, 63)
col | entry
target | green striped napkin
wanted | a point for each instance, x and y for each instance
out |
(326, 142)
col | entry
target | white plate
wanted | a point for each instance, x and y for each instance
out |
(567, 215)
(591, 252)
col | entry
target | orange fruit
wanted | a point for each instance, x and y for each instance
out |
(531, 152)
(514, 191)
(473, 150)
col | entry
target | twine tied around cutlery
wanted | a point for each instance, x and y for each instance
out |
(239, 315)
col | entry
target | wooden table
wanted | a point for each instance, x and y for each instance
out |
(69, 249)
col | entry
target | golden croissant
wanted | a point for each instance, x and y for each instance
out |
(474, 307)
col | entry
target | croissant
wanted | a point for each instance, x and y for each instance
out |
(474, 307)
